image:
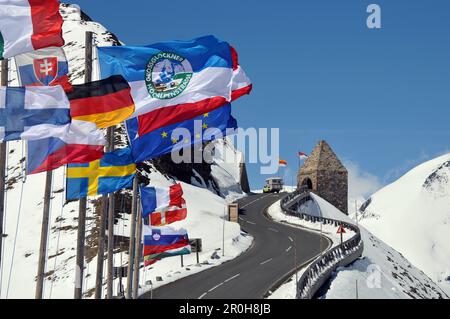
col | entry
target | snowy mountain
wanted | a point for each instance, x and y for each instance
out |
(413, 216)
(24, 200)
(381, 272)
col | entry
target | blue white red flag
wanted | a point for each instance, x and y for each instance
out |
(44, 67)
(160, 198)
(173, 81)
(206, 127)
(83, 143)
(161, 242)
(30, 113)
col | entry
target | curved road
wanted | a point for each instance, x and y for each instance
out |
(252, 274)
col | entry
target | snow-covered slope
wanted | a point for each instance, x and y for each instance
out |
(24, 209)
(413, 216)
(382, 272)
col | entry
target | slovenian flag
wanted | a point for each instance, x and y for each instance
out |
(28, 25)
(157, 199)
(163, 140)
(83, 143)
(302, 155)
(44, 67)
(106, 102)
(175, 81)
(161, 242)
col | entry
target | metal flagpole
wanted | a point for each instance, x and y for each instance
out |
(110, 273)
(79, 270)
(138, 252)
(4, 82)
(44, 234)
(131, 248)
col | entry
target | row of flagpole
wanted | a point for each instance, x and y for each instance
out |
(106, 218)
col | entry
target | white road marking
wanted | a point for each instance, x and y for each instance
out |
(215, 287)
(203, 295)
(241, 218)
(265, 261)
(274, 230)
(289, 248)
(290, 238)
(231, 278)
(251, 222)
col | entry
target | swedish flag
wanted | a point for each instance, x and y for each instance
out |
(114, 171)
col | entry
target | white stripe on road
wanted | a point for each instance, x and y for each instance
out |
(255, 201)
(203, 295)
(231, 278)
(290, 238)
(251, 222)
(289, 248)
(274, 230)
(215, 287)
(266, 261)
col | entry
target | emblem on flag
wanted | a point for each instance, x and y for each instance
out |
(46, 70)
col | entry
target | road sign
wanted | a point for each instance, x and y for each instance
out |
(196, 245)
(233, 212)
(341, 230)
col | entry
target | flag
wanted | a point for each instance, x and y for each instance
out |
(44, 67)
(172, 81)
(114, 171)
(166, 139)
(159, 198)
(161, 242)
(167, 215)
(282, 163)
(302, 155)
(28, 25)
(30, 113)
(83, 143)
(240, 83)
(106, 102)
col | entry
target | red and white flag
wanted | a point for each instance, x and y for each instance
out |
(28, 25)
(302, 155)
(282, 163)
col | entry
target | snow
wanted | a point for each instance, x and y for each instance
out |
(23, 218)
(381, 273)
(413, 216)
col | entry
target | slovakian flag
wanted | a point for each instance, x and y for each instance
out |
(83, 143)
(161, 242)
(173, 81)
(106, 102)
(155, 199)
(209, 126)
(28, 25)
(32, 113)
(44, 67)
(302, 155)
(114, 171)
(167, 215)
(282, 163)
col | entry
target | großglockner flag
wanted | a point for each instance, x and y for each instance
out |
(160, 198)
(167, 215)
(44, 67)
(28, 25)
(161, 242)
(151, 144)
(35, 112)
(83, 143)
(106, 102)
(115, 170)
(172, 81)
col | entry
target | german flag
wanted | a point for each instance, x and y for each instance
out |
(106, 102)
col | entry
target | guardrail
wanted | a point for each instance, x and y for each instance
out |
(318, 272)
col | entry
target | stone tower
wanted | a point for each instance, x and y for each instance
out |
(325, 175)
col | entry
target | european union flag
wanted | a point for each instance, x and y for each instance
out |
(161, 141)
(114, 171)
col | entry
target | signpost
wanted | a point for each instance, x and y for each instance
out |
(196, 247)
(341, 231)
(233, 212)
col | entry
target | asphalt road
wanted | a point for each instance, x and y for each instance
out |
(270, 259)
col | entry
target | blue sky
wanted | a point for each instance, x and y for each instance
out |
(381, 98)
